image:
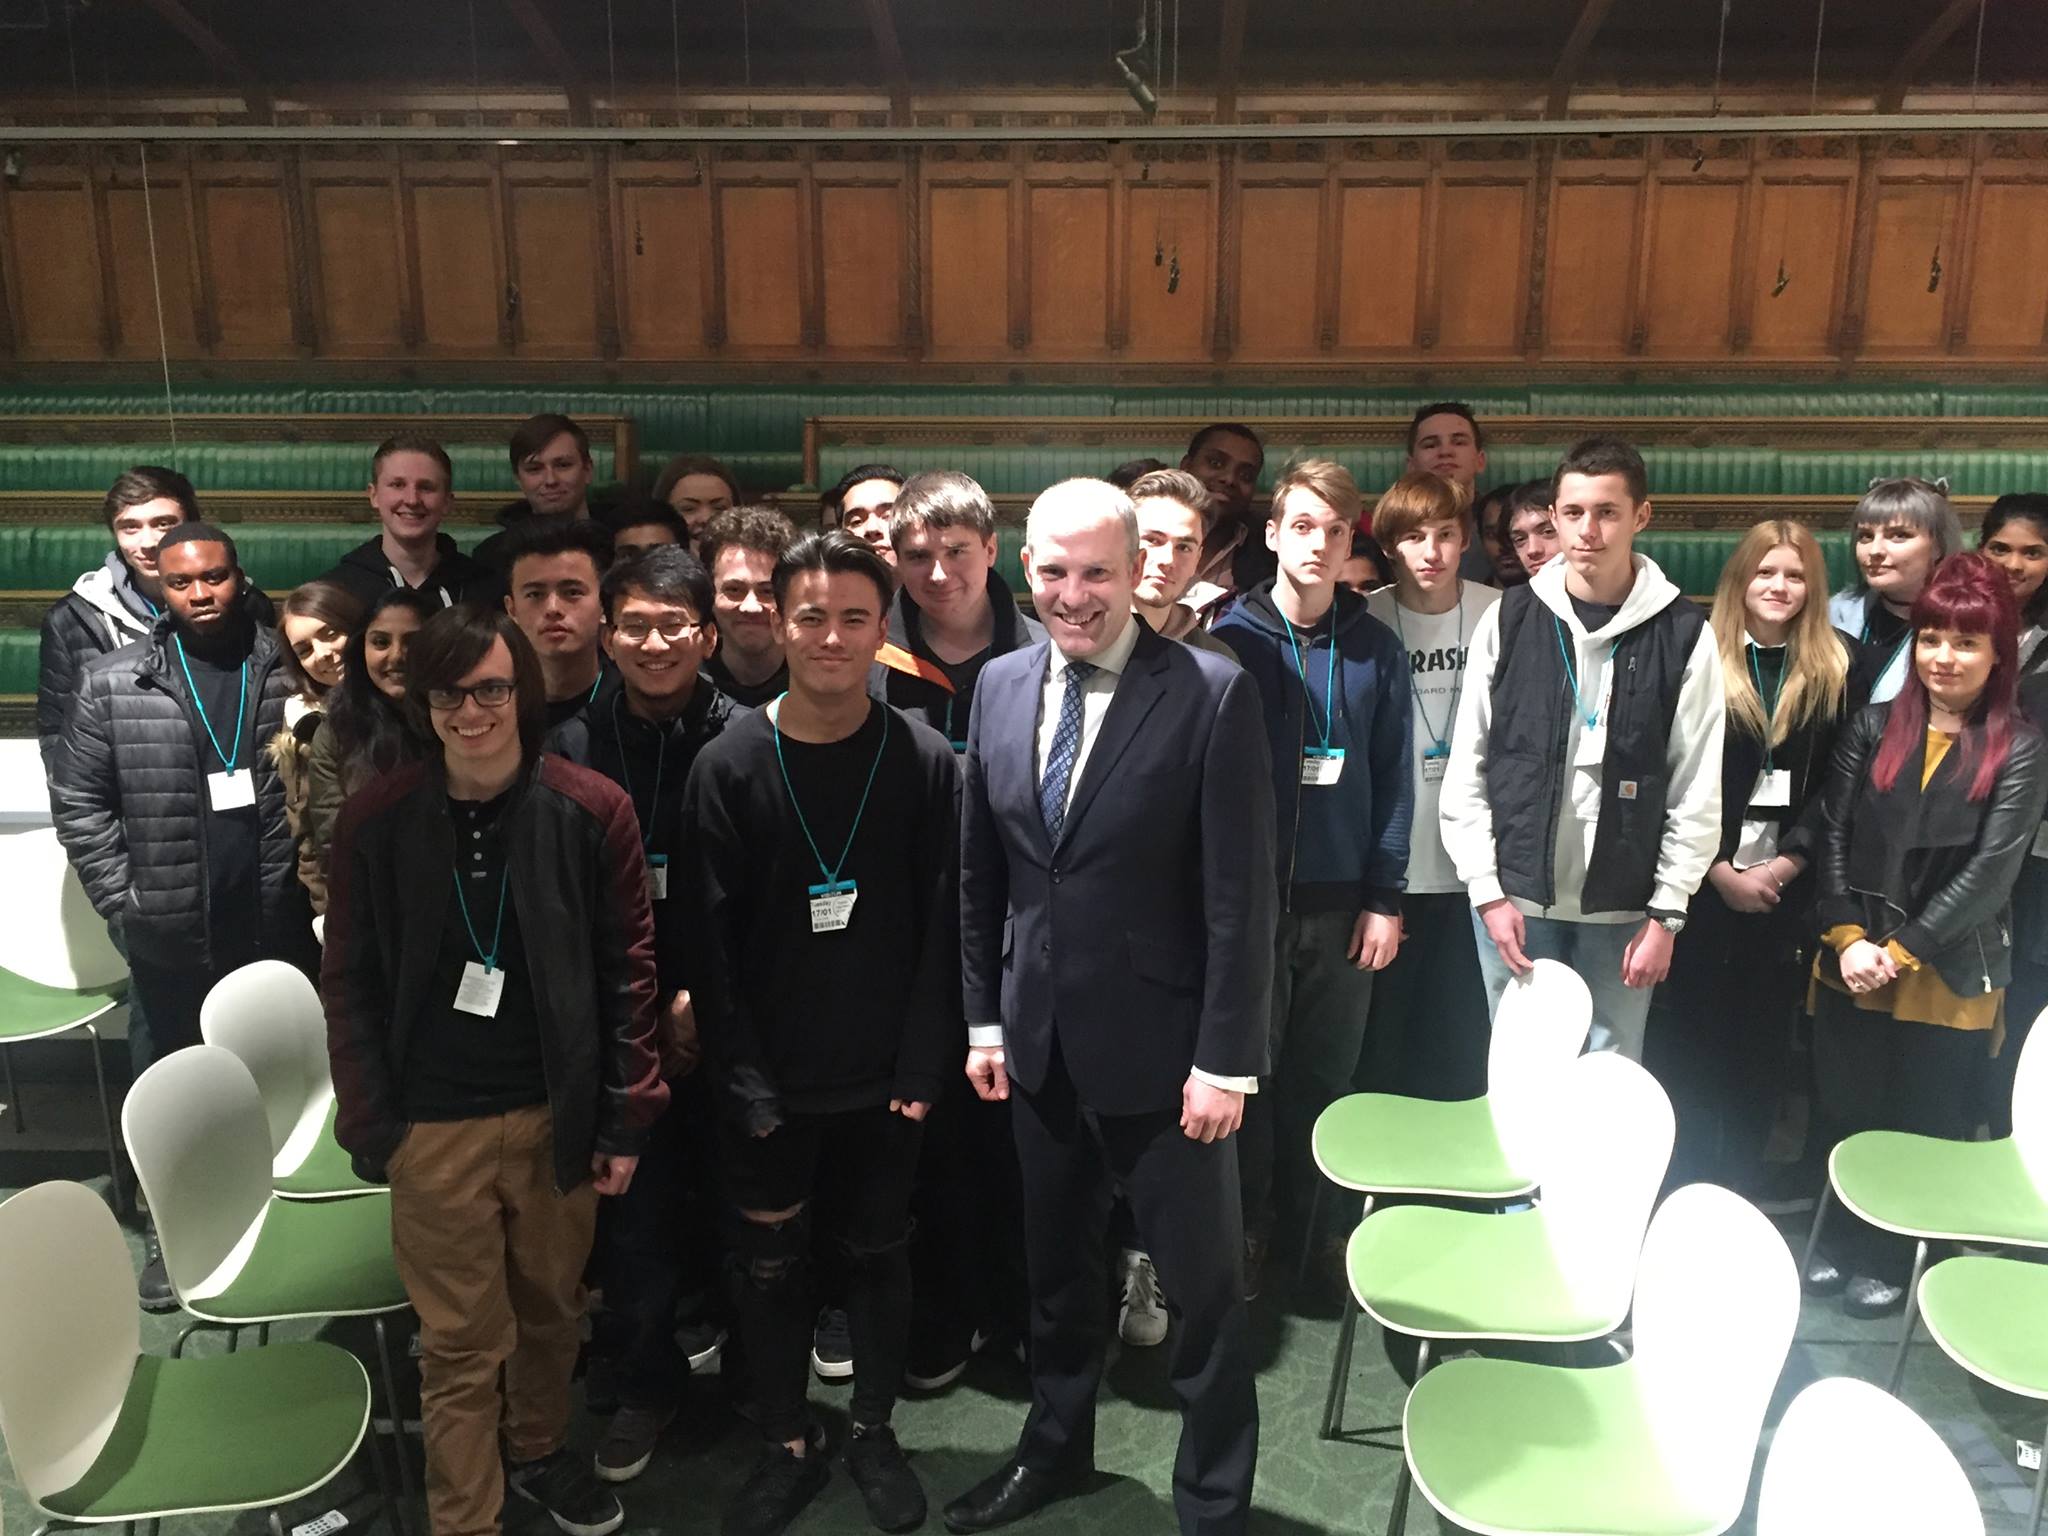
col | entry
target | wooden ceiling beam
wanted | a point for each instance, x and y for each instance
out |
(1923, 47)
(218, 53)
(548, 44)
(895, 71)
(1592, 14)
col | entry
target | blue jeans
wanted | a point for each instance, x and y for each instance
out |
(1594, 951)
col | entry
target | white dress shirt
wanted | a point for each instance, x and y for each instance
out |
(1096, 693)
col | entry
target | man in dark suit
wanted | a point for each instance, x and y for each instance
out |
(1117, 962)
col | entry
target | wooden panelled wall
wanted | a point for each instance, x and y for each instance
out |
(1726, 251)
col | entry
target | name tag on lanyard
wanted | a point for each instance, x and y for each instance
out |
(657, 877)
(832, 905)
(1435, 758)
(1322, 765)
(480, 990)
(235, 791)
(1773, 788)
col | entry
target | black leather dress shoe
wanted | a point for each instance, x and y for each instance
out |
(1867, 1296)
(1009, 1494)
(1824, 1277)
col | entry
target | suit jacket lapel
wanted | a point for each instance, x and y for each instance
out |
(1013, 751)
(1137, 691)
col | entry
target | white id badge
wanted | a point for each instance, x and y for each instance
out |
(832, 905)
(1322, 765)
(1773, 787)
(1591, 750)
(2041, 841)
(657, 877)
(480, 990)
(231, 791)
(1433, 766)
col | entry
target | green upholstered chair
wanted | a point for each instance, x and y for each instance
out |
(1661, 1444)
(100, 1433)
(1849, 1459)
(1934, 1190)
(237, 1255)
(1990, 1316)
(268, 1014)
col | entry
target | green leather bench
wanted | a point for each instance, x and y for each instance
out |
(47, 558)
(480, 468)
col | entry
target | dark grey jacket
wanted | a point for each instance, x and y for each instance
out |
(128, 793)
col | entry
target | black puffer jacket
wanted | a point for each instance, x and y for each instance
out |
(128, 794)
(1930, 867)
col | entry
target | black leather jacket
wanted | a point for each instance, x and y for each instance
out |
(1930, 867)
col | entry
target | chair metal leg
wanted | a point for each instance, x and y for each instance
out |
(262, 1334)
(99, 1073)
(1397, 1516)
(178, 1345)
(2040, 1486)
(391, 1406)
(394, 1518)
(1340, 1369)
(1820, 1211)
(1912, 1316)
(276, 1522)
(13, 1093)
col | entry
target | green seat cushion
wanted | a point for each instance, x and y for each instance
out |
(48, 557)
(1240, 403)
(1991, 1315)
(1710, 399)
(20, 652)
(326, 1169)
(1385, 1144)
(1924, 1186)
(28, 1008)
(224, 1432)
(1502, 1445)
(1467, 1275)
(1994, 400)
(314, 1258)
(1970, 471)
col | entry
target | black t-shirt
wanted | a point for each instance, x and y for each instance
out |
(1594, 615)
(459, 1065)
(233, 839)
(751, 695)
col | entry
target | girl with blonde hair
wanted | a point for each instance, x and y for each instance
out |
(1736, 977)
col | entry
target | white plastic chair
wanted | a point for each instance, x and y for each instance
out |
(58, 970)
(237, 1255)
(1539, 1029)
(1663, 1441)
(100, 1433)
(1851, 1460)
(269, 1015)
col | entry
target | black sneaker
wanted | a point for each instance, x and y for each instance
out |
(629, 1441)
(880, 1470)
(153, 1288)
(775, 1493)
(832, 1347)
(938, 1358)
(563, 1486)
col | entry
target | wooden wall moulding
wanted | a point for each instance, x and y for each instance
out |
(1661, 252)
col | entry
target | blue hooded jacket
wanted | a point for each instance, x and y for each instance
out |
(1343, 846)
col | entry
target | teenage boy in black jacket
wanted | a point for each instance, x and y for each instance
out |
(824, 905)
(411, 484)
(644, 737)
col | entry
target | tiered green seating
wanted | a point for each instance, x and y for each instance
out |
(480, 468)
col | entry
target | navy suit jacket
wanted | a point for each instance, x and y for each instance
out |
(1143, 941)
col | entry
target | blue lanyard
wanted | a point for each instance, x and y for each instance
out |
(1571, 676)
(831, 874)
(591, 696)
(1457, 689)
(497, 933)
(1770, 705)
(626, 774)
(1329, 720)
(199, 704)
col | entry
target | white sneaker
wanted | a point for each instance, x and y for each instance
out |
(1142, 1320)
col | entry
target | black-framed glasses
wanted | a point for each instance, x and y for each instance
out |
(674, 631)
(491, 693)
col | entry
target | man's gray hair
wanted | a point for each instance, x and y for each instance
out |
(941, 498)
(1081, 501)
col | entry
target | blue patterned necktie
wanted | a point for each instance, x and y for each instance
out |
(1066, 745)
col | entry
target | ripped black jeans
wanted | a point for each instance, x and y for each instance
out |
(848, 1176)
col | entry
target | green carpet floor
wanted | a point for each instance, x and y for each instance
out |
(1306, 1486)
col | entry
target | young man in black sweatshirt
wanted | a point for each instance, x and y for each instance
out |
(644, 736)
(823, 902)
(411, 485)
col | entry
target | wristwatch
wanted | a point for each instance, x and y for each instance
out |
(1672, 923)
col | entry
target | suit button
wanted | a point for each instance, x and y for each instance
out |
(1045, 946)
(1056, 877)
